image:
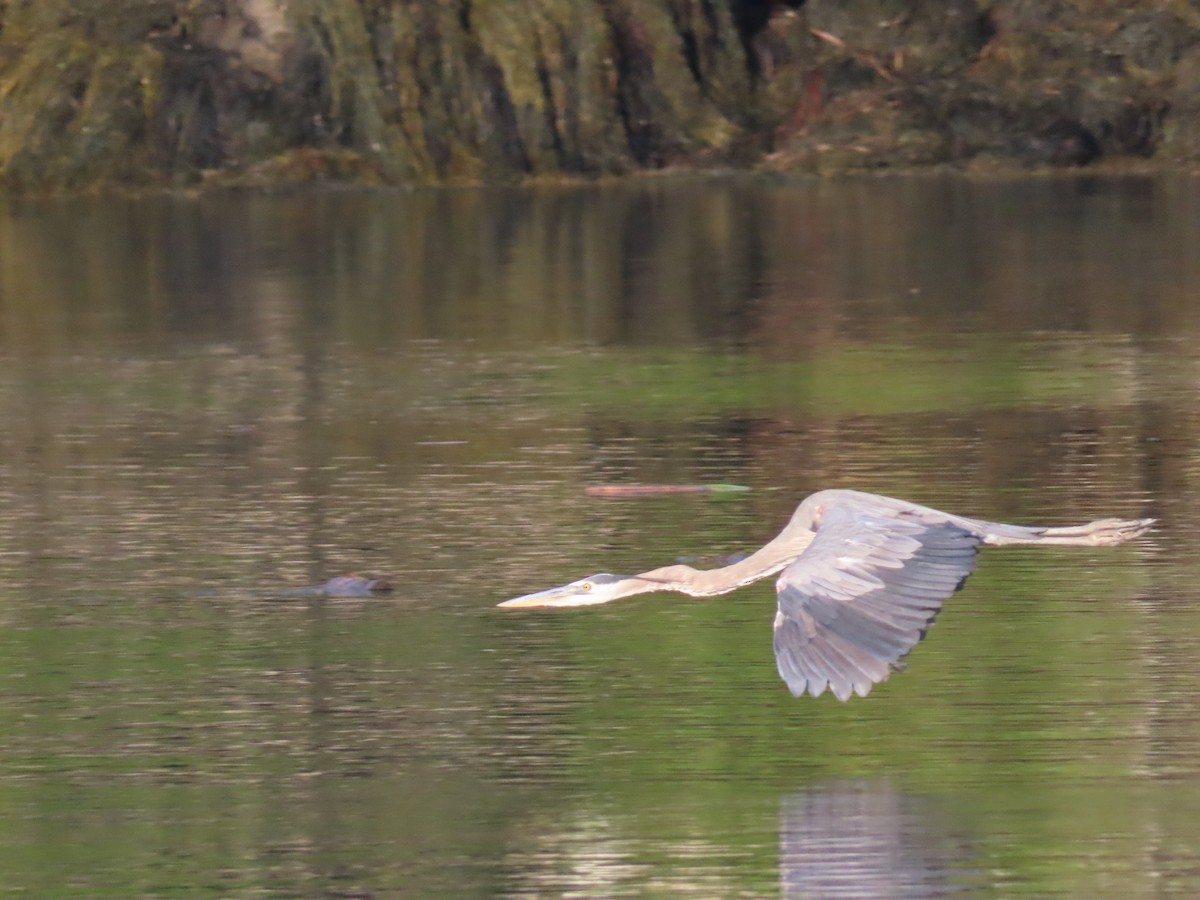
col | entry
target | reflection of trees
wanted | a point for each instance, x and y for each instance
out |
(785, 266)
(913, 258)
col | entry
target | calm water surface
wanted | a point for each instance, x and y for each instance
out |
(209, 402)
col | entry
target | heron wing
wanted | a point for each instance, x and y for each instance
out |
(862, 595)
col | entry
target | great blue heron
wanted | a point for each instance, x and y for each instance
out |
(861, 579)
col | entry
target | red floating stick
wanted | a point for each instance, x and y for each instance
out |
(639, 490)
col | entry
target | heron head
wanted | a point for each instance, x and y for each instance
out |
(584, 592)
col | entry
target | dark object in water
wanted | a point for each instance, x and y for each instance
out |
(638, 490)
(354, 586)
(341, 586)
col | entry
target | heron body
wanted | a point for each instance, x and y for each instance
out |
(861, 578)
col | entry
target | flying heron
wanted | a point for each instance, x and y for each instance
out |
(861, 579)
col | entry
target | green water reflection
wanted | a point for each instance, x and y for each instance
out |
(207, 400)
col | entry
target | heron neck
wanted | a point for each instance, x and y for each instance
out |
(772, 558)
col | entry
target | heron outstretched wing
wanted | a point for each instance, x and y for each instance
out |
(862, 595)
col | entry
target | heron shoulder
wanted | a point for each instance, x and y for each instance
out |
(813, 507)
(864, 503)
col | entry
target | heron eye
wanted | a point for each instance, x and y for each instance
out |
(586, 586)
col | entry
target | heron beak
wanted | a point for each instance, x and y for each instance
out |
(564, 595)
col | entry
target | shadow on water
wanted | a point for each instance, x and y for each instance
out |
(206, 400)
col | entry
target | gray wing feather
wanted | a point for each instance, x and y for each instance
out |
(862, 595)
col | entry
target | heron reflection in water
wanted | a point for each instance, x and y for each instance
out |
(861, 579)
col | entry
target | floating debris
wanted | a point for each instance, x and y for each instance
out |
(639, 490)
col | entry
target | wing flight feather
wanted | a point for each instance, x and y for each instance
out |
(862, 595)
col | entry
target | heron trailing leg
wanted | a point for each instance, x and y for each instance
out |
(1101, 533)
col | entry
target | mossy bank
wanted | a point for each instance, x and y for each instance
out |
(183, 93)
